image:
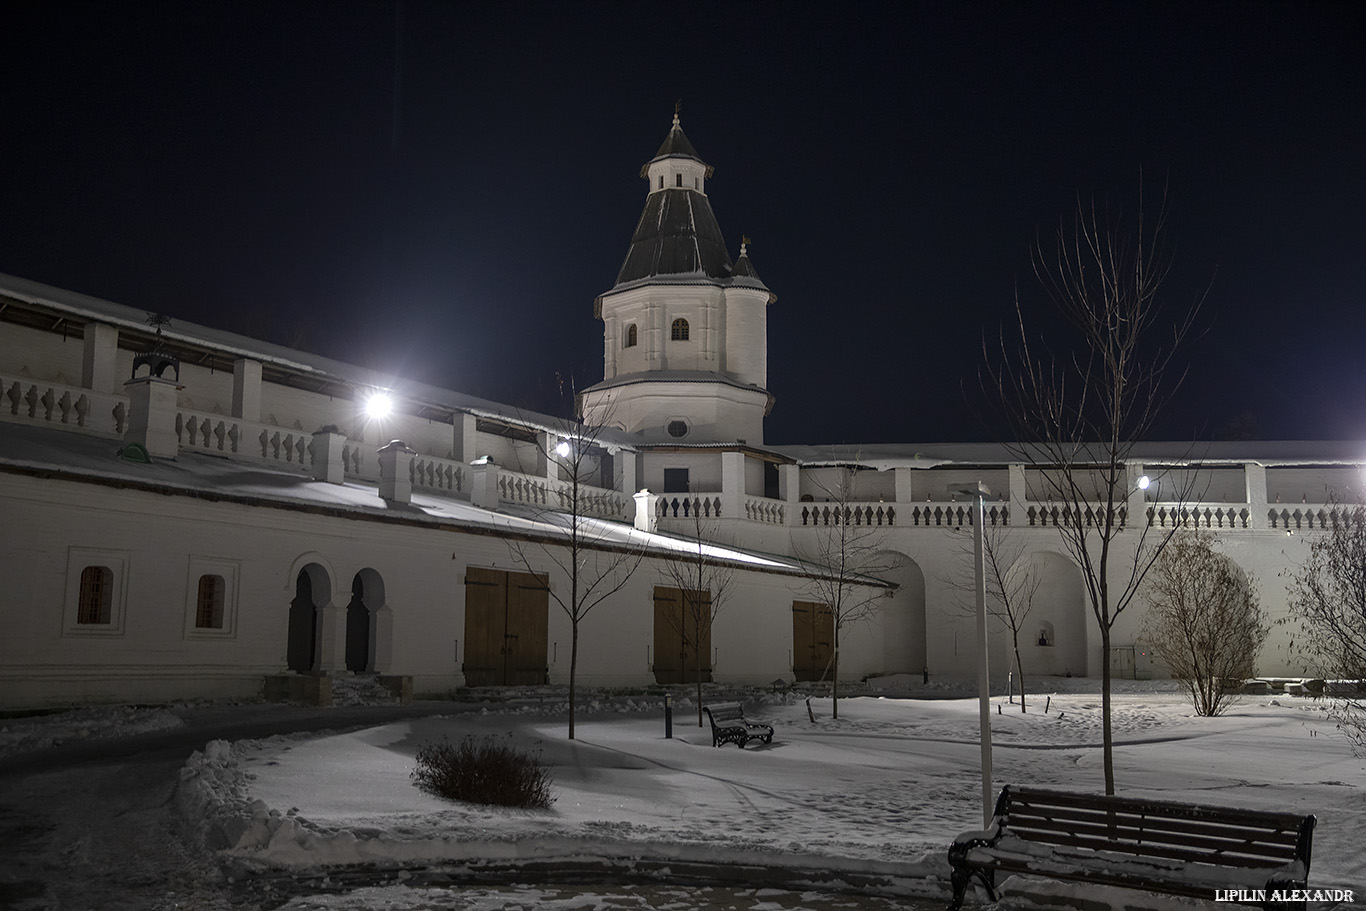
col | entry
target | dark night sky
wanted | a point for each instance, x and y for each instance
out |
(259, 167)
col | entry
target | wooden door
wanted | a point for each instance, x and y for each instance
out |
(485, 625)
(813, 636)
(528, 609)
(506, 628)
(682, 629)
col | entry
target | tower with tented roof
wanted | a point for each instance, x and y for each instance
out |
(684, 326)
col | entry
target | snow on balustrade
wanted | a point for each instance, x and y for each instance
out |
(762, 509)
(1175, 515)
(689, 506)
(431, 473)
(849, 514)
(43, 402)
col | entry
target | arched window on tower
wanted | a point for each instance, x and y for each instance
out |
(678, 182)
(679, 331)
(630, 340)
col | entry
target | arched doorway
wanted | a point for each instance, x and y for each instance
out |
(363, 633)
(312, 587)
(1053, 633)
(903, 625)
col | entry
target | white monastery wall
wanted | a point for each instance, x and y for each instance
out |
(41, 355)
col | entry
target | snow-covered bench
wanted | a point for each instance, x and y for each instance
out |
(729, 725)
(1158, 846)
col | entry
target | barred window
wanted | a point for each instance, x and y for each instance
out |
(679, 330)
(97, 595)
(209, 610)
(631, 336)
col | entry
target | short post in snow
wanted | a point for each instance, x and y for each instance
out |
(668, 717)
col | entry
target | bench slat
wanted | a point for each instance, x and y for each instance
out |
(1066, 816)
(1171, 852)
(1034, 797)
(1149, 830)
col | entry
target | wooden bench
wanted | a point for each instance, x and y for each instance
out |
(729, 725)
(1158, 846)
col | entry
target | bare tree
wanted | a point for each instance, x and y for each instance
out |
(1078, 411)
(704, 581)
(842, 563)
(1011, 583)
(1204, 621)
(1328, 604)
(596, 569)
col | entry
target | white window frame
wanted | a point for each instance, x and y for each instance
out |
(77, 559)
(211, 566)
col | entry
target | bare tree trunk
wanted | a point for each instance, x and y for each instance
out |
(1019, 667)
(1108, 735)
(835, 679)
(573, 672)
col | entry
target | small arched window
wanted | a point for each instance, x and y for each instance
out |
(630, 340)
(97, 595)
(679, 330)
(209, 603)
(661, 181)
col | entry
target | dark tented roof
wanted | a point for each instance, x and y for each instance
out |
(677, 235)
(743, 268)
(676, 145)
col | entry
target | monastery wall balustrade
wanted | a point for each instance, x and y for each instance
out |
(548, 493)
(31, 401)
(441, 475)
(704, 505)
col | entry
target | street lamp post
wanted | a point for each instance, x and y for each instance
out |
(979, 493)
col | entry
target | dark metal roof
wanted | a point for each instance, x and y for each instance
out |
(743, 268)
(677, 235)
(676, 145)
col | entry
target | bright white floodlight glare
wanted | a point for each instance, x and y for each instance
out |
(378, 405)
(1143, 482)
(562, 448)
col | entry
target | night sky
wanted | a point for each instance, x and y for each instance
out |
(440, 190)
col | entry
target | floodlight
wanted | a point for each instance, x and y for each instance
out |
(1143, 482)
(378, 405)
(562, 449)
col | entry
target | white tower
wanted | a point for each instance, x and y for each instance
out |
(685, 338)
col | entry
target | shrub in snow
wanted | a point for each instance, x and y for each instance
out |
(488, 771)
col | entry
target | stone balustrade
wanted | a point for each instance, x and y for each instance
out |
(1304, 516)
(766, 511)
(442, 475)
(690, 505)
(68, 407)
(1194, 515)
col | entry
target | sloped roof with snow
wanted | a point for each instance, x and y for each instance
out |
(52, 454)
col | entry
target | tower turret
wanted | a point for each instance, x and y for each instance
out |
(684, 344)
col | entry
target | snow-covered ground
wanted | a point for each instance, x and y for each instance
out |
(872, 799)
(36, 732)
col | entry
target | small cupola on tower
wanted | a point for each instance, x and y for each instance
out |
(676, 166)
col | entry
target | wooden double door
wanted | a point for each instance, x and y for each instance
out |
(506, 622)
(813, 638)
(682, 635)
